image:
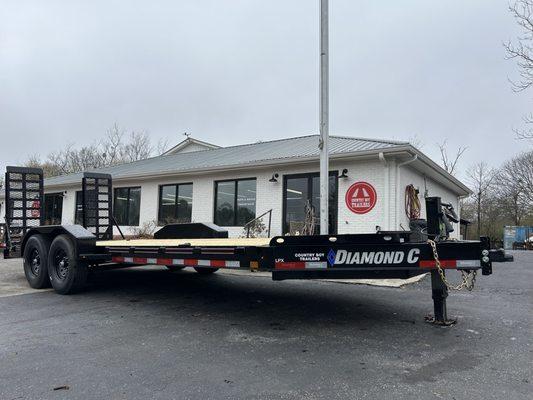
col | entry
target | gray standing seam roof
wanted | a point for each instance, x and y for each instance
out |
(246, 154)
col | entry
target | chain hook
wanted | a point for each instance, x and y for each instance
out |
(468, 278)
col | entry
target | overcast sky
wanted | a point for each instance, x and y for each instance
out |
(237, 71)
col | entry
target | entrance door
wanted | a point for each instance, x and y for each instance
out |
(302, 189)
(53, 208)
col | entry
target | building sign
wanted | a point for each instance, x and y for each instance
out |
(35, 212)
(361, 197)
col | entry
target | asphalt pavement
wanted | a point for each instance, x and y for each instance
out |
(146, 333)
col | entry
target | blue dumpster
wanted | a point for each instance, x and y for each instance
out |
(512, 234)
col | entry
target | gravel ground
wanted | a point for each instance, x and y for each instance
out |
(146, 333)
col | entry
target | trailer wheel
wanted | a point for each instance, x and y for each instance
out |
(205, 270)
(35, 260)
(174, 268)
(67, 274)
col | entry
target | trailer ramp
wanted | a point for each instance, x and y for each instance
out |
(24, 200)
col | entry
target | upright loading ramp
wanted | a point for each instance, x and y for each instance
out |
(24, 200)
(97, 205)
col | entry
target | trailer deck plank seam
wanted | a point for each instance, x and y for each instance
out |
(226, 242)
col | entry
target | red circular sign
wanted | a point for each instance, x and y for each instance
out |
(361, 197)
(35, 211)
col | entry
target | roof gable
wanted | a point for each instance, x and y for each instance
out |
(190, 145)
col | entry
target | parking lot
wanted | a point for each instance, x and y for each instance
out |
(146, 333)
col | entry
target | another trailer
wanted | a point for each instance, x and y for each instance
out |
(63, 256)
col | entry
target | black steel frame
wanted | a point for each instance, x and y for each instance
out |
(97, 205)
(16, 181)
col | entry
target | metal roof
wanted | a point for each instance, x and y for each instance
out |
(246, 154)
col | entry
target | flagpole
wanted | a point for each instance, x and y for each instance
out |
(324, 118)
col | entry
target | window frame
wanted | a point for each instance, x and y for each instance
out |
(160, 191)
(128, 207)
(236, 183)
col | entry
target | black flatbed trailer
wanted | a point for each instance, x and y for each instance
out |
(68, 253)
(62, 256)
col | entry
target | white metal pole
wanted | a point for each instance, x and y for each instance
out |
(324, 118)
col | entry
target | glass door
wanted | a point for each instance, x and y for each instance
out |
(303, 191)
(53, 208)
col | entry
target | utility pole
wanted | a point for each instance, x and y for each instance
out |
(324, 118)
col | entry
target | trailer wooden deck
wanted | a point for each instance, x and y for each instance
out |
(219, 242)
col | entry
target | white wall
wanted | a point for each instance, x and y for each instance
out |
(387, 213)
(409, 176)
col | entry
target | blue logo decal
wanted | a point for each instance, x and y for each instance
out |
(331, 257)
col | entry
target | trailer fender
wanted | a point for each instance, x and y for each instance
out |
(84, 241)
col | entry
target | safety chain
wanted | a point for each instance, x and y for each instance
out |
(468, 278)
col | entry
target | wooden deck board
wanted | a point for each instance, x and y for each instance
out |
(229, 242)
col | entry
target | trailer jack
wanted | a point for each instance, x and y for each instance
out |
(439, 293)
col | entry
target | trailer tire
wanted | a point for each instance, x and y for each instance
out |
(205, 270)
(67, 274)
(174, 268)
(35, 261)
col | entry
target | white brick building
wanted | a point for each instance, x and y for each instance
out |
(201, 182)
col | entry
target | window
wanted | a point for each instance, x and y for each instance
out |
(127, 206)
(53, 208)
(175, 203)
(234, 202)
(78, 215)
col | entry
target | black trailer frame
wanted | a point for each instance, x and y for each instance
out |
(376, 256)
(63, 255)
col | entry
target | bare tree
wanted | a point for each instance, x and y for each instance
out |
(525, 133)
(113, 144)
(416, 141)
(480, 178)
(49, 168)
(522, 11)
(450, 163)
(162, 146)
(71, 160)
(522, 52)
(138, 147)
(523, 169)
(512, 194)
(115, 148)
